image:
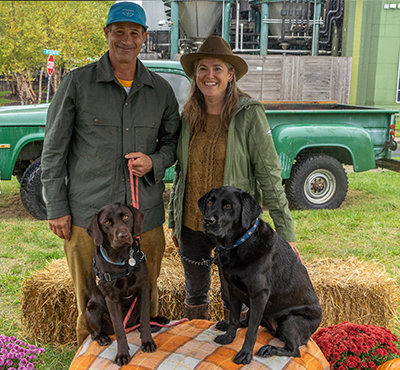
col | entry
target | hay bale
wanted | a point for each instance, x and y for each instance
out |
(48, 305)
(348, 290)
(354, 291)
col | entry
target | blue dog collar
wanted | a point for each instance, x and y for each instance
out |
(241, 240)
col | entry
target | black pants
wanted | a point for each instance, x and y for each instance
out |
(198, 247)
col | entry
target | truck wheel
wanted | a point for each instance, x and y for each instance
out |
(317, 182)
(31, 191)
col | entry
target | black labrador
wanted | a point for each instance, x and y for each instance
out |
(263, 272)
(119, 275)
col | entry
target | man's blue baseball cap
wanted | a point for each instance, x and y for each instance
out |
(127, 12)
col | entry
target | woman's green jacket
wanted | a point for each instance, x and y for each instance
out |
(251, 164)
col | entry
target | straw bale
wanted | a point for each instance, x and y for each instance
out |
(355, 291)
(348, 290)
(48, 305)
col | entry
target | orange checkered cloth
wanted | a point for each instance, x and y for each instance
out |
(190, 345)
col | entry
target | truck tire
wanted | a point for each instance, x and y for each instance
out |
(317, 182)
(31, 191)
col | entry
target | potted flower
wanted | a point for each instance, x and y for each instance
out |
(17, 355)
(351, 346)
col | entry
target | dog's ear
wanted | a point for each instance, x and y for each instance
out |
(250, 209)
(202, 201)
(138, 220)
(94, 230)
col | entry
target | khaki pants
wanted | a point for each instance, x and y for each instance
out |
(79, 255)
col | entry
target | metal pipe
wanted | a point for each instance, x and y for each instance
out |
(315, 39)
(241, 35)
(264, 28)
(223, 18)
(283, 14)
(335, 40)
(237, 24)
(279, 51)
(174, 29)
(227, 16)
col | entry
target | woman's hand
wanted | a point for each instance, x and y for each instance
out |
(293, 245)
(174, 239)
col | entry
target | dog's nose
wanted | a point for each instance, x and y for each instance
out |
(122, 235)
(209, 220)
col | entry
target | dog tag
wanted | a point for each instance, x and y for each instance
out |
(132, 261)
(97, 280)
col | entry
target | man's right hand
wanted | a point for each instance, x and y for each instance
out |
(61, 227)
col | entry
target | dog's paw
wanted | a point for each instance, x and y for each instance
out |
(224, 339)
(222, 325)
(266, 351)
(122, 359)
(149, 346)
(102, 340)
(243, 357)
(160, 320)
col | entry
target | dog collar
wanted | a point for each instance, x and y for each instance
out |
(243, 238)
(130, 259)
(117, 275)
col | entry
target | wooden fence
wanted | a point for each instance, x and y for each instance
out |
(278, 77)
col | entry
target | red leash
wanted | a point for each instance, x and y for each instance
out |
(135, 202)
(134, 185)
(128, 315)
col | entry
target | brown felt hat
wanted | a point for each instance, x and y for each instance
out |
(214, 47)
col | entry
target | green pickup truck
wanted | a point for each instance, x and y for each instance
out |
(313, 140)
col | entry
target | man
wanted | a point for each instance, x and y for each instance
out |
(102, 115)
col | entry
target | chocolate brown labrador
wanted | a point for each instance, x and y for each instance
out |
(119, 275)
(263, 272)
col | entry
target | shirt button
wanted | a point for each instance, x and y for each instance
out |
(96, 120)
(126, 103)
(123, 179)
(154, 123)
(127, 128)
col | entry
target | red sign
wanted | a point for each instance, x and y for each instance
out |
(50, 65)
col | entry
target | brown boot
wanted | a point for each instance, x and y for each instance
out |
(197, 312)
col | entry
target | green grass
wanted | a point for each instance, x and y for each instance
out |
(366, 226)
(2, 100)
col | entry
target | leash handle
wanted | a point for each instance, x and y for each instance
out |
(134, 185)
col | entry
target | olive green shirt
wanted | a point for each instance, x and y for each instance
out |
(92, 123)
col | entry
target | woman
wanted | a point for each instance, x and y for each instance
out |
(225, 140)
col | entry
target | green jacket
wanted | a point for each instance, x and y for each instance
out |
(92, 123)
(251, 164)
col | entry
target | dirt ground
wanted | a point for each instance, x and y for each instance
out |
(15, 208)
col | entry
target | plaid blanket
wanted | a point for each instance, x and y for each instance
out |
(190, 345)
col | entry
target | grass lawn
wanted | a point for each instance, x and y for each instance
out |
(367, 226)
(2, 100)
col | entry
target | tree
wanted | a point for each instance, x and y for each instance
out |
(75, 28)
